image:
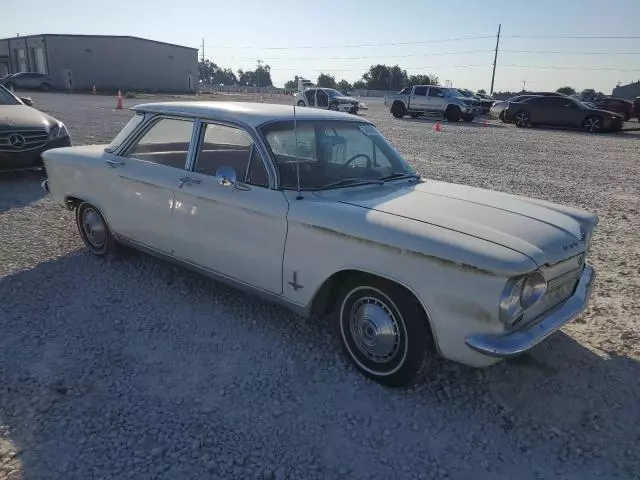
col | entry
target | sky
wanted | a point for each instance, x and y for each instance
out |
(453, 40)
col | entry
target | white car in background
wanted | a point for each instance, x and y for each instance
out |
(328, 99)
(323, 215)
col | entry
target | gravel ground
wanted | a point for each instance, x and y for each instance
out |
(133, 368)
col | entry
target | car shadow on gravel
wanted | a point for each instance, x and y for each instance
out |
(18, 189)
(477, 123)
(84, 339)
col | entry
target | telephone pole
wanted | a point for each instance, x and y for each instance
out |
(202, 49)
(495, 60)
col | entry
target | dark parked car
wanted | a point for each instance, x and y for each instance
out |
(562, 112)
(26, 132)
(617, 105)
(498, 108)
(636, 108)
(28, 81)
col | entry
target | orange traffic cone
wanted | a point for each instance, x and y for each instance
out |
(119, 105)
(484, 123)
(94, 90)
(436, 127)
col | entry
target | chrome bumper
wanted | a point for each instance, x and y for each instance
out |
(519, 341)
(45, 185)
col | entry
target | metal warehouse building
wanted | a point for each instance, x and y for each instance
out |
(79, 62)
(629, 92)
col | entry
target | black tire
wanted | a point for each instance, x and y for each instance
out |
(398, 110)
(415, 114)
(627, 117)
(521, 119)
(300, 103)
(453, 114)
(333, 106)
(501, 117)
(45, 87)
(467, 118)
(367, 308)
(94, 230)
(592, 124)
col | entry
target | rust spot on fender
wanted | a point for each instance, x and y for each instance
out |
(397, 250)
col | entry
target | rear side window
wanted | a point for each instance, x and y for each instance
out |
(436, 92)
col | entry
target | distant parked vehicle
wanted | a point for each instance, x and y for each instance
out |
(562, 112)
(485, 101)
(499, 107)
(328, 99)
(28, 81)
(421, 99)
(616, 105)
(25, 133)
(636, 108)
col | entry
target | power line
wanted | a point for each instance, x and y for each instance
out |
(300, 47)
(577, 37)
(359, 58)
(551, 67)
(566, 52)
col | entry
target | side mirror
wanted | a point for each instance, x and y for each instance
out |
(226, 176)
(27, 101)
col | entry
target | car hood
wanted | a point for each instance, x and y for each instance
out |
(22, 116)
(545, 232)
(600, 111)
(344, 98)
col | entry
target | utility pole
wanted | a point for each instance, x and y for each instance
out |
(524, 82)
(202, 49)
(495, 59)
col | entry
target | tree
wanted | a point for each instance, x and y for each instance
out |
(566, 90)
(422, 80)
(291, 84)
(482, 91)
(214, 75)
(326, 81)
(383, 77)
(359, 85)
(344, 86)
(260, 77)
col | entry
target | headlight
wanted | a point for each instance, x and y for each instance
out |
(519, 295)
(58, 131)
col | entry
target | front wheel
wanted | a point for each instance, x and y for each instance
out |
(592, 124)
(453, 114)
(384, 331)
(467, 118)
(334, 107)
(522, 119)
(94, 230)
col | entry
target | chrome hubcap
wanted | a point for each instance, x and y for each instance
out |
(522, 118)
(592, 124)
(374, 329)
(94, 227)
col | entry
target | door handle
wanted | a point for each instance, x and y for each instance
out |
(114, 163)
(188, 181)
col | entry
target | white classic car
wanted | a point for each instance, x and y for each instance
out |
(320, 213)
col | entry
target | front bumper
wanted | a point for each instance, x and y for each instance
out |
(29, 159)
(519, 341)
(347, 107)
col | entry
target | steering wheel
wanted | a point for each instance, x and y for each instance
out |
(358, 155)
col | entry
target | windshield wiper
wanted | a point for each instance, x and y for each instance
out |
(395, 176)
(353, 181)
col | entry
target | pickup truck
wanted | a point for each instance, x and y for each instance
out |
(421, 99)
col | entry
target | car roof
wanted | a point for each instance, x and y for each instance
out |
(252, 114)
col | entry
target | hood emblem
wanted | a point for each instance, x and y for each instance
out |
(569, 246)
(16, 140)
(583, 233)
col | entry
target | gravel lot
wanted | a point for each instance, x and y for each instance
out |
(134, 368)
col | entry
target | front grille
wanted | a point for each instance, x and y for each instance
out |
(23, 139)
(562, 280)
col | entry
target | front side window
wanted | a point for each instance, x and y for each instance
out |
(328, 153)
(127, 130)
(165, 143)
(225, 146)
(422, 91)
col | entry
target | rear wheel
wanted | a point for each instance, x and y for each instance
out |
(94, 230)
(398, 110)
(592, 124)
(45, 87)
(300, 103)
(384, 331)
(453, 113)
(522, 119)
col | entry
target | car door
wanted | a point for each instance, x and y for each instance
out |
(418, 99)
(322, 99)
(436, 100)
(552, 111)
(141, 191)
(311, 97)
(227, 218)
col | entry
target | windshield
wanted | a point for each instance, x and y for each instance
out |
(125, 132)
(6, 98)
(465, 93)
(331, 153)
(333, 93)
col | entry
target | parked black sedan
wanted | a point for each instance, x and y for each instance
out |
(563, 112)
(25, 133)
